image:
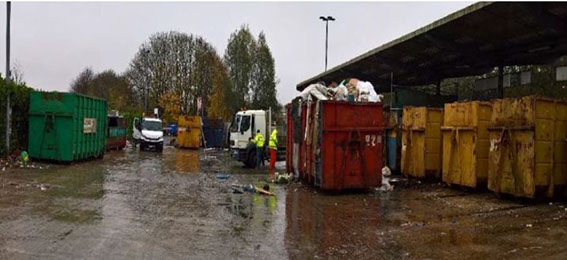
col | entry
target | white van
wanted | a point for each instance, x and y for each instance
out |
(148, 133)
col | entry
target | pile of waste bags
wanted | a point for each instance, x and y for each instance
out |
(352, 90)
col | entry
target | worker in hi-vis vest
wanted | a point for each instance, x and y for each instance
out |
(273, 145)
(259, 141)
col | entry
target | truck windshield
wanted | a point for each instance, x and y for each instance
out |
(235, 124)
(151, 125)
(245, 124)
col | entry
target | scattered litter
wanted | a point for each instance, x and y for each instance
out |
(282, 178)
(263, 191)
(42, 187)
(208, 157)
(236, 189)
(394, 180)
(529, 225)
(25, 158)
(249, 188)
(386, 186)
(223, 176)
(18, 160)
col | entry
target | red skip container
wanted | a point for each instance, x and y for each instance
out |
(340, 144)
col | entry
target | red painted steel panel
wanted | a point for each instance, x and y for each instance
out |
(302, 145)
(289, 140)
(115, 143)
(350, 145)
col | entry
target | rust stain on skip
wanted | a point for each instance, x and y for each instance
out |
(528, 155)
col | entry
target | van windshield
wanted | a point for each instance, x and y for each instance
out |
(151, 125)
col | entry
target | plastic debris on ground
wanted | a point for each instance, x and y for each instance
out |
(263, 191)
(208, 157)
(282, 178)
(223, 176)
(237, 188)
(386, 186)
(18, 160)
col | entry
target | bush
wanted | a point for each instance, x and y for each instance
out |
(19, 103)
(129, 116)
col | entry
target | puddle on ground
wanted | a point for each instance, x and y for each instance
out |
(136, 204)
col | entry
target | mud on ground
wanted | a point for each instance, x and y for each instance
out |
(147, 205)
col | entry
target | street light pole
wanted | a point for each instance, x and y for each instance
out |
(8, 130)
(326, 20)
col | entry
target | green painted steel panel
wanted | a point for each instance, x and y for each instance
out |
(116, 132)
(58, 130)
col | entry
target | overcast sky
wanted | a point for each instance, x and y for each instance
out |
(53, 42)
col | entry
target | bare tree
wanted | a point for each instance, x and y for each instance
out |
(17, 74)
(81, 83)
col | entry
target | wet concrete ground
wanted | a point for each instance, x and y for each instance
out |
(144, 205)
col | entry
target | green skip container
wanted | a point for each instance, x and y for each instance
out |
(66, 127)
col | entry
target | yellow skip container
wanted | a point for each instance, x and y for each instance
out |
(421, 142)
(189, 132)
(465, 143)
(528, 148)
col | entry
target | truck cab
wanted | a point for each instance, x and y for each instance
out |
(243, 128)
(148, 133)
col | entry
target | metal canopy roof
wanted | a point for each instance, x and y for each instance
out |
(471, 41)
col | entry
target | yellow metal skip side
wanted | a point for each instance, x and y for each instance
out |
(421, 142)
(189, 132)
(466, 143)
(528, 147)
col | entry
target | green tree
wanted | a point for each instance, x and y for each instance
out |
(107, 85)
(173, 62)
(264, 77)
(222, 97)
(239, 60)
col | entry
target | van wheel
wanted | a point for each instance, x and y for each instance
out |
(159, 148)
